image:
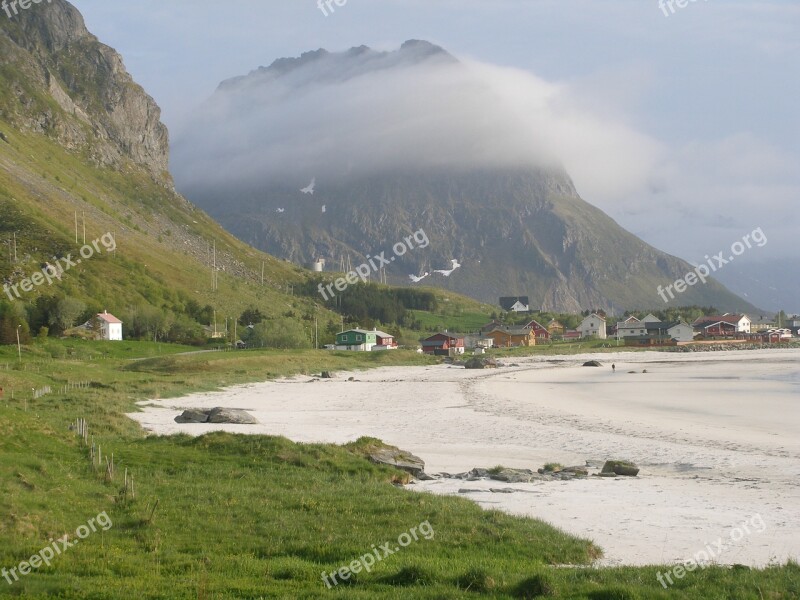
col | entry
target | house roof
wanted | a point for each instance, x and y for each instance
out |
(729, 318)
(108, 317)
(531, 323)
(512, 330)
(355, 331)
(593, 315)
(712, 324)
(382, 334)
(506, 302)
(452, 336)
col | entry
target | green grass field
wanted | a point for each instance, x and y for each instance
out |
(232, 516)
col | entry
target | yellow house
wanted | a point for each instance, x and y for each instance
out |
(507, 337)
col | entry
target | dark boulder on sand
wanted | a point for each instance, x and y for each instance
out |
(592, 363)
(620, 467)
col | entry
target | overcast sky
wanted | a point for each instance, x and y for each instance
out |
(711, 90)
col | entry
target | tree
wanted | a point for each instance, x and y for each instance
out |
(280, 334)
(66, 313)
(251, 316)
(12, 315)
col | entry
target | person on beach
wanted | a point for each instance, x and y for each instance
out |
(613, 368)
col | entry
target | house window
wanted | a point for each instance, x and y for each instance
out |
(359, 338)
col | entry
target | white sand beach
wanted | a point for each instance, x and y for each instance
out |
(716, 434)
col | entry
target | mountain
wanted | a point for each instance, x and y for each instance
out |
(82, 148)
(394, 142)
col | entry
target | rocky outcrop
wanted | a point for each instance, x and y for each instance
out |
(233, 416)
(620, 467)
(478, 362)
(77, 90)
(399, 459)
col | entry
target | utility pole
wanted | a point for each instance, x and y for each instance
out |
(76, 226)
(15, 246)
(19, 347)
(84, 228)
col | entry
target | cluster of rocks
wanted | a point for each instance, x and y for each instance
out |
(234, 416)
(611, 468)
(723, 347)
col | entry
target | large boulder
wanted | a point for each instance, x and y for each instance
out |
(509, 475)
(620, 467)
(479, 362)
(592, 363)
(399, 459)
(234, 416)
(192, 415)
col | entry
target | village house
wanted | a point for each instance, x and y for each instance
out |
(509, 337)
(518, 304)
(657, 333)
(443, 344)
(539, 331)
(384, 341)
(105, 327)
(593, 326)
(358, 340)
(762, 323)
(717, 325)
(555, 328)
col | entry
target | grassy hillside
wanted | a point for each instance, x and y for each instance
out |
(163, 253)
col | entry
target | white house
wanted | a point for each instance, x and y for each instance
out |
(519, 307)
(631, 327)
(593, 325)
(681, 332)
(110, 327)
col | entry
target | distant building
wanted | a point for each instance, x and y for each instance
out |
(384, 341)
(540, 331)
(358, 340)
(443, 344)
(593, 326)
(555, 328)
(740, 322)
(109, 327)
(518, 304)
(509, 337)
(678, 331)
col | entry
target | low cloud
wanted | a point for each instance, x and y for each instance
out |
(332, 117)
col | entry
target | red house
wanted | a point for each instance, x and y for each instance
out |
(539, 330)
(717, 329)
(384, 341)
(443, 344)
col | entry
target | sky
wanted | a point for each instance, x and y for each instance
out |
(681, 123)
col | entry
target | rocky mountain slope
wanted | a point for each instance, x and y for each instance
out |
(81, 141)
(398, 141)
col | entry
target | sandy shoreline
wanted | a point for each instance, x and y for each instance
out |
(717, 436)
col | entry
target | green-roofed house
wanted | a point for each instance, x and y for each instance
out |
(356, 339)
